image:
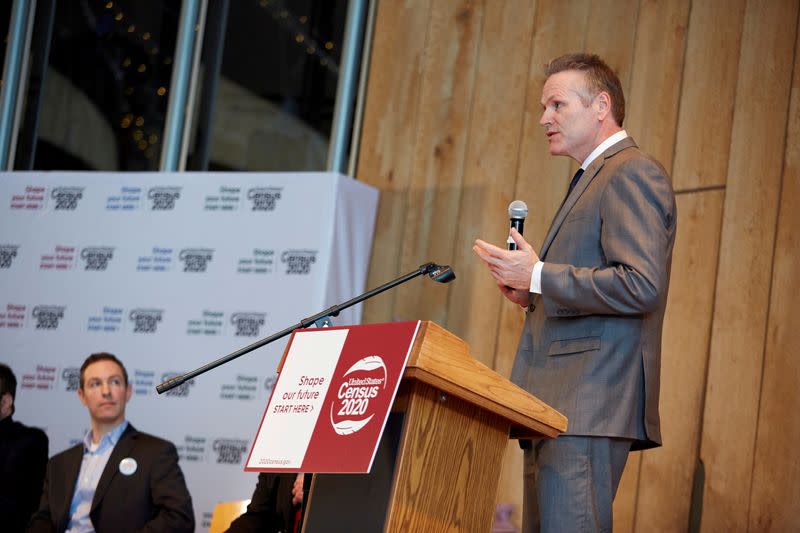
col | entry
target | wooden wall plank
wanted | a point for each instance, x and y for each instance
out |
(541, 179)
(745, 266)
(612, 34)
(448, 78)
(386, 155)
(490, 168)
(656, 76)
(651, 117)
(775, 498)
(510, 485)
(708, 94)
(489, 159)
(665, 483)
(625, 500)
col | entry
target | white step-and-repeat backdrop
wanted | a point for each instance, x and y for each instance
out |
(168, 272)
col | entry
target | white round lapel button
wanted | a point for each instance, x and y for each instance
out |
(128, 466)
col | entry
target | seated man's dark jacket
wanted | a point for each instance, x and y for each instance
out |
(153, 498)
(271, 509)
(23, 459)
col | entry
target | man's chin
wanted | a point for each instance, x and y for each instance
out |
(108, 417)
(553, 147)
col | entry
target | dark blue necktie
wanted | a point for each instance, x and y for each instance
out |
(575, 180)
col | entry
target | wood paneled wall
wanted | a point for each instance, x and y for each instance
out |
(451, 136)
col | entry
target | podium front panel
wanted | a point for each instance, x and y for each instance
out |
(356, 502)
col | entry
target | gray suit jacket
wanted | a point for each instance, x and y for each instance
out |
(591, 344)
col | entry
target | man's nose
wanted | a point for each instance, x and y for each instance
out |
(544, 119)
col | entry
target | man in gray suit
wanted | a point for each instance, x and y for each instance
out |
(595, 295)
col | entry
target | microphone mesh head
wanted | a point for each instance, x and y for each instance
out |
(517, 209)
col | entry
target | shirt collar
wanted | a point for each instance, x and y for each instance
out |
(111, 438)
(603, 146)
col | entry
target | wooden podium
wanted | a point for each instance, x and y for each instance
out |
(439, 461)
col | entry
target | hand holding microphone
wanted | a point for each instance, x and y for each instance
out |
(511, 268)
(517, 211)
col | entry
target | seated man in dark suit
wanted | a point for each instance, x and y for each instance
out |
(117, 479)
(23, 458)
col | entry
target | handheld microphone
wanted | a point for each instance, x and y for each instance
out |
(517, 211)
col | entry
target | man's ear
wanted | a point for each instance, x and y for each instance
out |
(82, 396)
(128, 393)
(602, 104)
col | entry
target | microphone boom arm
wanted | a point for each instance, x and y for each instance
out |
(439, 273)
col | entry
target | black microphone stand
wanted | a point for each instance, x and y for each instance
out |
(439, 273)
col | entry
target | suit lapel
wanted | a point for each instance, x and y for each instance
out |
(122, 450)
(588, 175)
(71, 471)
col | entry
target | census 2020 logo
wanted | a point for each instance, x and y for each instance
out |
(248, 324)
(71, 377)
(229, 451)
(299, 261)
(163, 198)
(97, 257)
(7, 254)
(48, 316)
(350, 410)
(145, 320)
(66, 198)
(264, 198)
(196, 259)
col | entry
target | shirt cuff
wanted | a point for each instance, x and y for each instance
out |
(536, 278)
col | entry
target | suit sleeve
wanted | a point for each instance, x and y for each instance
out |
(170, 498)
(637, 214)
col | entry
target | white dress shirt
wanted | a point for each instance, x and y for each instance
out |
(95, 457)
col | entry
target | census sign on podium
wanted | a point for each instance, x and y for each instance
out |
(329, 406)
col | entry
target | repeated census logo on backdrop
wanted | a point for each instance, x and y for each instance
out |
(299, 261)
(364, 381)
(163, 198)
(146, 320)
(97, 257)
(7, 254)
(66, 198)
(196, 259)
(48, 316)
(71, 378)
(230, 451)
(247, 324)
(264, 198)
